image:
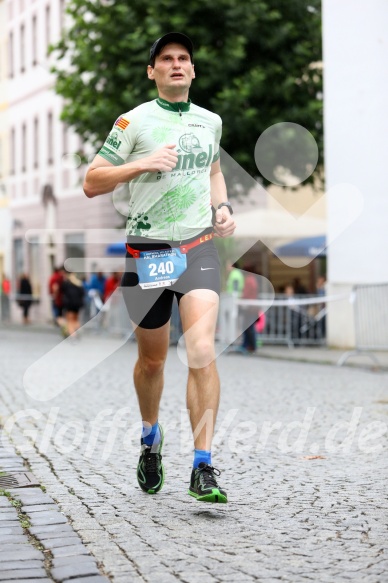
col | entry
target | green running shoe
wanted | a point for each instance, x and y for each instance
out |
(150, 470)
(203, 485)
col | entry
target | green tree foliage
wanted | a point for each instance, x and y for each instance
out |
(257, 63)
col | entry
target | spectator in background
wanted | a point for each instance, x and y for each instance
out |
(299, 288)
(54, 285)
(250, 292)
(25, 301)
(5, 293)
(111, 284)
(73, 300)
(97, 283)
(321, 286)
(235, 280)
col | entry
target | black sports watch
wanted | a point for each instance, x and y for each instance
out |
(226, 204)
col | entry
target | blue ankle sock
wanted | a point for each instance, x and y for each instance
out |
(151, 434)
(202, 455)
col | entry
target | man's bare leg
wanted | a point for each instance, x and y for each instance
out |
(199, 310)
(148, 374)
(199, 316)
(148, 379)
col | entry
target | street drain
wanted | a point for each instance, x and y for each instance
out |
(19, 480)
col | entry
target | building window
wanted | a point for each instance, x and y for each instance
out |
(75, 249)
(34, 264)
(18, 260)
(65, 139)
(13, 150)
(10, 55)
(48, 36)
(62, 15)
(36, 142)
(50, 141)
(24, 147)
(34, 42)
(22, 49)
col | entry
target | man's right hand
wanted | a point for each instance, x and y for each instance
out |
(163, 160)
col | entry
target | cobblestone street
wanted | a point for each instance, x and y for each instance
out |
(302, 449)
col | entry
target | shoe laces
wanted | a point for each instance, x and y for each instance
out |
(151, 460)
(208, 473)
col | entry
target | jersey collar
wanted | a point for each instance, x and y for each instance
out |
(177, 106)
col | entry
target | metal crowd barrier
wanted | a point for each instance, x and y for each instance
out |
(300, 320)
(370, 308)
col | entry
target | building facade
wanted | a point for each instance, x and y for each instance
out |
(51, 216)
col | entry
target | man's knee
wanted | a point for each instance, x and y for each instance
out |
(201, 353)
(151, 365)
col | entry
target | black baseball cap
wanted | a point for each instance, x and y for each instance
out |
(170, 37)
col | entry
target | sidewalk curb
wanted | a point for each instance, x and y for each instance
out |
(36, 539)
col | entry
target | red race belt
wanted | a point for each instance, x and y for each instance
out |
(184, 248)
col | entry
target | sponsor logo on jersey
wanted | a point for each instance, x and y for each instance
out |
(194, 159)
(122, 123)
(113, 140)
(189, 142)
(196, 125)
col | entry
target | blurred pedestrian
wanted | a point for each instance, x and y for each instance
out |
(111, 284)
(97, 283)
(25, 296)
(321, 285)
(55, 291)
(298, 286)
(235, 280)
(73, 300)
(250, 292)
(5, 302)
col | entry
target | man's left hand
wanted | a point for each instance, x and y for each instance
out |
(224, 225)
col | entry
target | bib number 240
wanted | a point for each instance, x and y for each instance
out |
(160, 268)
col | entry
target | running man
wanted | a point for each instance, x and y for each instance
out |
(168, 151)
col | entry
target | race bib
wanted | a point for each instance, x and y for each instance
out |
(160, 268)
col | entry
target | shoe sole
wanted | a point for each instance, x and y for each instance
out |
(154, 490)
(215, 497)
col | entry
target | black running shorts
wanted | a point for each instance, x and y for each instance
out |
(151, 308)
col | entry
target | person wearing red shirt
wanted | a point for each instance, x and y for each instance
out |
(110, 285)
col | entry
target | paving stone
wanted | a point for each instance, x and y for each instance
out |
(50, 528)
(61, 542)
(21, 546)
(22, 573)
(70, 571)
(92, 579)
(40, 580)
(9, 515)
(9, 523)
(70, 551)
(26, 554)
(12, 538)
(55, 535)
(9, 530)
(11, 565)
(47, 518)
(61, 561)
(35, 497)
(39, 508)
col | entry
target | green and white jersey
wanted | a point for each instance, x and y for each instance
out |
(172, 205)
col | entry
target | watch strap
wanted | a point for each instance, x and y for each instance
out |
(226, 204)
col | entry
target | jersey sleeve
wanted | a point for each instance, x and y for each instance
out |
(217, 139)
(120, 141)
